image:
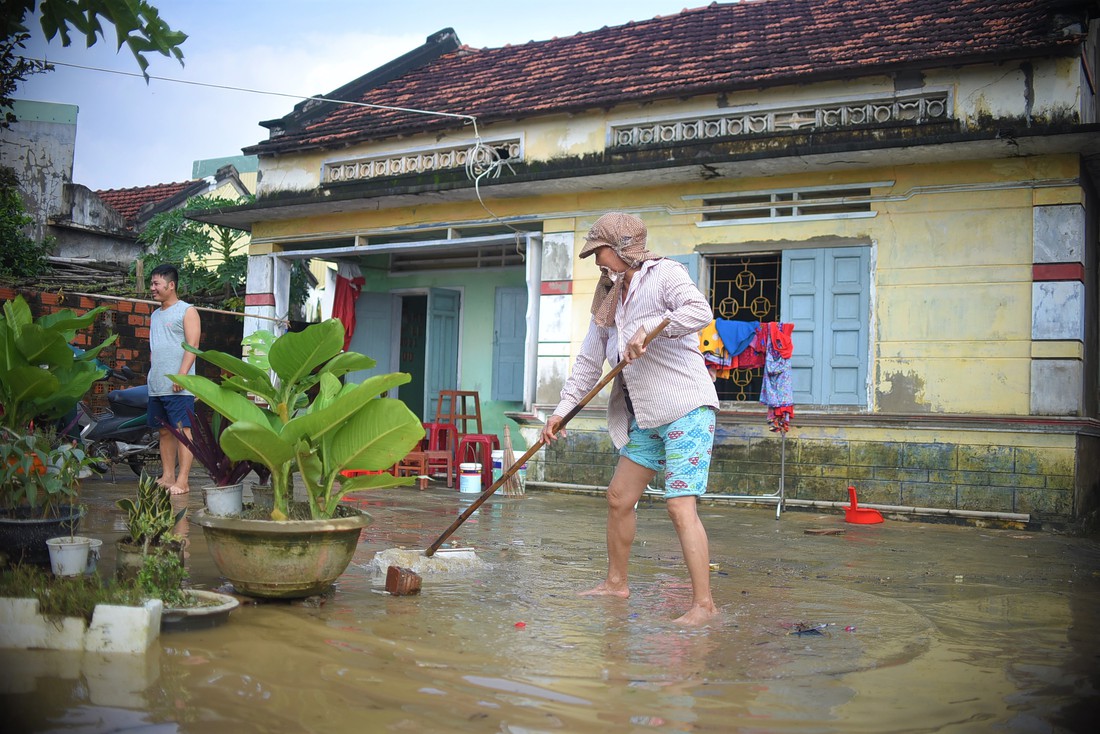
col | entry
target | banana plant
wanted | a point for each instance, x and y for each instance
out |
(299, 419)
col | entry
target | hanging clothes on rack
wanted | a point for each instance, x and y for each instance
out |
(776, 389)
(717, 357)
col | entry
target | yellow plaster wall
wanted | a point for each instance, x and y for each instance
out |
(951, 252)
(950, 244)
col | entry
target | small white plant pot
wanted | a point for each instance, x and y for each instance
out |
(93, 555)
(69, 554)
(225, 501)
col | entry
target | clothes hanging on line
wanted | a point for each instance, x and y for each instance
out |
(766, 345)
(776, 388)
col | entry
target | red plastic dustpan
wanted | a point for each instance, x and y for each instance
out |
(860, 515)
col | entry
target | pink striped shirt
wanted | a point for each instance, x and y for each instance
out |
(671, 379)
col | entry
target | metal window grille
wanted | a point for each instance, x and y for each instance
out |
(744, 288)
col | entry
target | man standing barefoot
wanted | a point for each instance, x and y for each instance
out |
(172, 324)
(661, 411)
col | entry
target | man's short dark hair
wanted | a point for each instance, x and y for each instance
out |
(166, 271)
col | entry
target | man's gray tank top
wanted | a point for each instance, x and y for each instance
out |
(165, 348)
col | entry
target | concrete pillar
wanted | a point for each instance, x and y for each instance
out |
(1058, 310)
(555, 316)
(259, 297)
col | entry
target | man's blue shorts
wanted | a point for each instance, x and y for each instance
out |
(172, 409)
(681, 450)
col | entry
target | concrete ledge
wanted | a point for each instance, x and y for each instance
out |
(113, 628)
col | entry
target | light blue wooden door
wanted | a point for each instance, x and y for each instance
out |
(509, 343)
(441, 369)
(375, 334)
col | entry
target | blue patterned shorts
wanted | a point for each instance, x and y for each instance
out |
(681, 450)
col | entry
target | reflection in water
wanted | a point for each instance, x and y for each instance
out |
(511, 647)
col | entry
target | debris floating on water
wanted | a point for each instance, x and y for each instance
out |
(402, 581)
(453, 560)
(801, 628)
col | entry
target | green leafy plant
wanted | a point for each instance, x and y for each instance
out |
(41, 377)
(150, 518)
(37, 472)
(257, 348)
(41, 380)
(21, 256)
(344, 427)
(161, 577)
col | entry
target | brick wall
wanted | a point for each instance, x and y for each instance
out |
(130, 320)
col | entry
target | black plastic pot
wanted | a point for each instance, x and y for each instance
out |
(23, 535)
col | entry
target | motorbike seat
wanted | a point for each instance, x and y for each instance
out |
(132, 397)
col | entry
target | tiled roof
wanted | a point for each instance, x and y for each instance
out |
(713, 49)
(128, 202)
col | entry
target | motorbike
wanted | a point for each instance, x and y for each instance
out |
(121, 434)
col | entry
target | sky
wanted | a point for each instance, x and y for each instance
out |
(133, 133)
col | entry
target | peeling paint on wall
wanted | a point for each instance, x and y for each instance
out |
(901, 392)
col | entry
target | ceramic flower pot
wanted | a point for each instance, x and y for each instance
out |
(287, 559)
(209, 609)
(129, 557)
(263, 496)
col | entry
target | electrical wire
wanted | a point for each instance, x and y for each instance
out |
(482, 161)
(316, 98)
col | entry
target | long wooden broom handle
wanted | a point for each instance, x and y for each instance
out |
(504, 477)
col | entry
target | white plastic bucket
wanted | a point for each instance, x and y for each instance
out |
(469, 478)
(498, 464)
(69, 556)
(94, 545)
(225, 501)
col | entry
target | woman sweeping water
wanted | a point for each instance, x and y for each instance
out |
(661, 411)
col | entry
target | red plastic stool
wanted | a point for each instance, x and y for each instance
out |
(482, 445)
(441, 436)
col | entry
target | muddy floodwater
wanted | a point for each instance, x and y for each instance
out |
(910, 627)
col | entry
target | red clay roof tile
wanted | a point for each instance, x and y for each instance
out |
(128, 202)
(713, 49)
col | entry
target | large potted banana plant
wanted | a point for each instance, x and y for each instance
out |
(307, 427)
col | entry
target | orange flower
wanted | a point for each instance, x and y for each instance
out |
(39, 468)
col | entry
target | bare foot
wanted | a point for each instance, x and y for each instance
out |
(604, 590)
(176, 489)
(165, 483)
(697, 616)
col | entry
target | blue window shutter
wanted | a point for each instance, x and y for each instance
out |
(826, 294)
(847, 299)
(691, 261)
(442, 367)
(801, 303)
(509, 343)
